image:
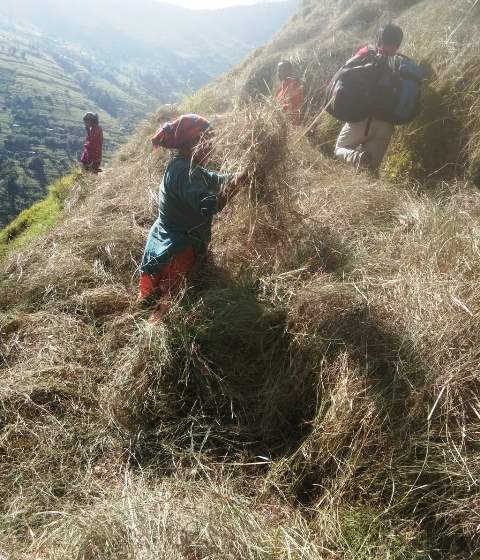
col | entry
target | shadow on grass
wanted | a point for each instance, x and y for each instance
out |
(233, 383)
(227, 375)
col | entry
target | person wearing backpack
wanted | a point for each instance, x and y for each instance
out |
(190, 196)
(289, 94)
(365, 137)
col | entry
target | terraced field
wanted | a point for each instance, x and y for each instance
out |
(46, 86)
(43, 96)
(118, 60)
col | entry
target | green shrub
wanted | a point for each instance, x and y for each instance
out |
(37, 219)
(430, 148)
(324, 134)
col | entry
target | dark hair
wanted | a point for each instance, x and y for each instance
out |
(286, 64)
(390, 34)
(91, 117)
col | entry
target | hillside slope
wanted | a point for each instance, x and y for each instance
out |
(317, 395)
(55, 64)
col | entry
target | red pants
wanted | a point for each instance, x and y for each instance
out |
(170, 279)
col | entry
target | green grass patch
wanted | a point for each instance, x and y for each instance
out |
(431, 148)
(37, 219)
(367, 535)
(325, 133)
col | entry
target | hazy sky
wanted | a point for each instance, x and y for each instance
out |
(198, 4)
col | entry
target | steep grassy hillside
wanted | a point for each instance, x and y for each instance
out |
(317, 394)
(56, 62)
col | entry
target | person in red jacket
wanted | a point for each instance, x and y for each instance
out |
(289, 93)
(365, 143)
(92, 150)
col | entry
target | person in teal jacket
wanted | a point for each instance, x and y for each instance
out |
(190, 196)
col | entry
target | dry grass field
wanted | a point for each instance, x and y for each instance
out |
(316, 396)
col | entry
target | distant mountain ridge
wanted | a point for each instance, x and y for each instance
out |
(58, 60)
(132, 30)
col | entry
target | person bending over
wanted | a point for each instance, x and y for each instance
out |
(289, 94)
(190, 196)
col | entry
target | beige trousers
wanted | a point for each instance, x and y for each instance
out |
(353, 140)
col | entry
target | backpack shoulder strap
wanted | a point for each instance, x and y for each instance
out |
(362, 59)
(411, 68)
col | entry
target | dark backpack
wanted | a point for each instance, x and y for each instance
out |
(399, 91)
(351, 95)
(372, 85)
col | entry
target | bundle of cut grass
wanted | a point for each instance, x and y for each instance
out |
(255, 138)
(105, 301)
(263, 217)
(52, 436)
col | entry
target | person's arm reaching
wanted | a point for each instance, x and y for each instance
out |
(231, 188)
(203, 201)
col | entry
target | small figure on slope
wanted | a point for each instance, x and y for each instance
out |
(92, 150)
(190, 196)
(289, 93)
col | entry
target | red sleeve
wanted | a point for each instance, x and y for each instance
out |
(96, 145)
(296, 102)
(363, 51)
(290, 97)
(85, 159)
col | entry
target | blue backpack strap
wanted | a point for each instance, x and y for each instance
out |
(406, 66)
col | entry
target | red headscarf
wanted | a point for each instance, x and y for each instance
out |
(184, 132)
